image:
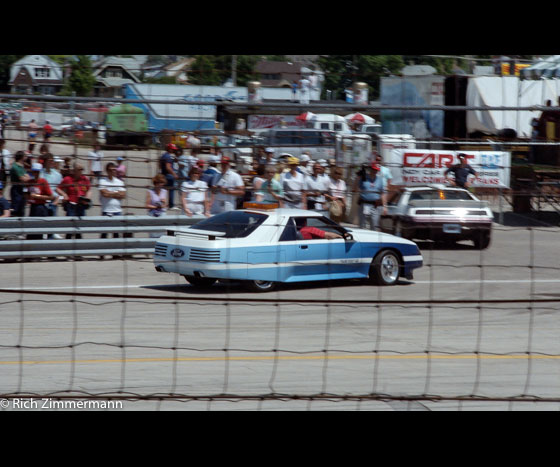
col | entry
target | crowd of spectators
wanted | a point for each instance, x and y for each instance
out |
(201, 186)
(194, 184)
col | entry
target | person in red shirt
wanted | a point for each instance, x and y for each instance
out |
(313, 233)
(38, 194)
(47, 131)
(76, 192)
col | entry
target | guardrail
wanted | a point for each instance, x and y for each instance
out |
(128, 227)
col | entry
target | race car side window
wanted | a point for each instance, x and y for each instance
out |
(290, 232)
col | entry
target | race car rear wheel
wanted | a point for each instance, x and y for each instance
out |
(261, 286)
(385, 268)
(200, 281)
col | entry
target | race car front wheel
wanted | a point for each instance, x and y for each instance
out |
(385, 268)
(261, 286)
(200, 281)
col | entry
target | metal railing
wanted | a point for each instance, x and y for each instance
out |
(17, 244)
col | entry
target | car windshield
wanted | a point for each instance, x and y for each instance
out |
(235, 224)
(441, 194)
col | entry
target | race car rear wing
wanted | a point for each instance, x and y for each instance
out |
(195, 233)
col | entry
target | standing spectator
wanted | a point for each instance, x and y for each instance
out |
(304, 90)
(75, 190)
(304, 166)
(4, 203)
(166, 168)
(94, 161)
(39, 193)
(209, 174)
(184, 165)
(121, 168)
(111, 191)
(32, 134)
(43, 151)
(3, 123)
(53, 178)
(293, 184)
(66, 167)
(337, 195)
(271, 191)
(259, 178)
(18, 178)
(461, 171)
(227, 186)
(194, 195)
(372, 197)
(47, 131)
(5, 161)
(385, 172)
(316, 186)
(156, 198)
(294, 91)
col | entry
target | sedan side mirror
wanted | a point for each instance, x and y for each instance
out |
(348, 236)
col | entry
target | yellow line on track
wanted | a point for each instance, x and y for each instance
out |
(287, 358)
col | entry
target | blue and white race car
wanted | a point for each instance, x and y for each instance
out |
(264, 247)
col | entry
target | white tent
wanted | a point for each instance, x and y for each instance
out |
(507, 91)
(546, 68)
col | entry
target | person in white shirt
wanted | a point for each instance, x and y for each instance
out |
(194, 195)
(316, 185)
(305, 167)
(95, 156)
(337, 192)
(53, 178)
(293, 184)
(227, 186)
(6, 160)
(111, 190)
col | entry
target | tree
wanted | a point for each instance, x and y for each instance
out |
(81, 79)
(341, 71)
(6, 61)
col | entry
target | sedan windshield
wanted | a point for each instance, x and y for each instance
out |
(235, 224)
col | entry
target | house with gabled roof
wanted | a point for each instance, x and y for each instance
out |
(36, 74)
(111, 73)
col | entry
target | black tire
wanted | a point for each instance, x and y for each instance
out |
(385, 268)
(200, 281)
(261, 286)
(481, 240)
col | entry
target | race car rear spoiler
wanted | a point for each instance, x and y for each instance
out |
(195, 233)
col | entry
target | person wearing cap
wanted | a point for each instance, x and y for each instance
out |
(304, 167)
(268, 156)
(166, 162)
(227, 186)
(372, 197)
(293, 184)
(18, 178)
(4, 203)
(39, 193)
(316, 185)
(461, 172)
(121, 168)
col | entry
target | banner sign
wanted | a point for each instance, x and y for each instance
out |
(414, 167)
